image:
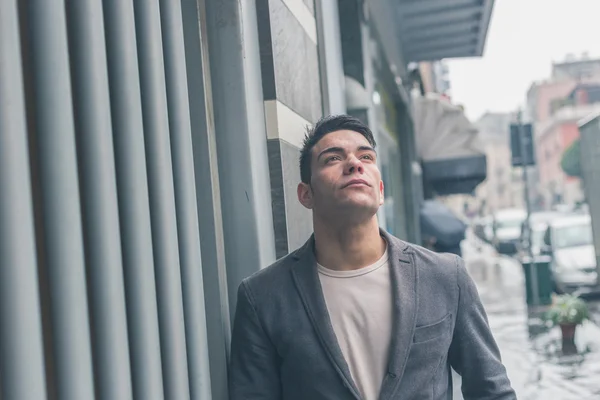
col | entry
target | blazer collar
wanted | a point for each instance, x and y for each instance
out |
(404, 304)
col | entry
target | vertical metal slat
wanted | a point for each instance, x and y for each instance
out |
(134, 207)
(22, 361)
(162, 199)
(99, 199)
(185, 197)
(60, 192)
(208, 194)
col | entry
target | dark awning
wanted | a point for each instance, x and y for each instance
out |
(455, 176)
(439, 222)
(437, 29)
(448, 145)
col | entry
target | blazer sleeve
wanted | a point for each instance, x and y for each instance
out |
(254, 362)
(474, 353)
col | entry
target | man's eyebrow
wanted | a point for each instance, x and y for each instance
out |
(330, 150)
(367, 148)
(338, 150)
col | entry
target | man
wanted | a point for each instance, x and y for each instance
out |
(357, 313)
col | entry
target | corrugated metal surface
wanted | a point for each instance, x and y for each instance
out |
(101, 287)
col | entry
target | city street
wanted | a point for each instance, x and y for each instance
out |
(537, 365)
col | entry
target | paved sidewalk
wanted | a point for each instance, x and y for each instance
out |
(537, 364)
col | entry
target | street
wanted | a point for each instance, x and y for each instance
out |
(537, 365)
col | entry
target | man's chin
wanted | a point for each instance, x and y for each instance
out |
(355, 209)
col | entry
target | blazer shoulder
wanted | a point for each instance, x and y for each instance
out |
(445, 265)
(271, 277)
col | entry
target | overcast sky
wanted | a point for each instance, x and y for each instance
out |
(524, 38)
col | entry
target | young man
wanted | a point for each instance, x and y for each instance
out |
(357, 313)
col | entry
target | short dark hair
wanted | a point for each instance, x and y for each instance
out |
(324, 126)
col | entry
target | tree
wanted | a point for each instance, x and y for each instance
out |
(571, 160)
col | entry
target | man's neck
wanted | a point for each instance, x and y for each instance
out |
(344, 247)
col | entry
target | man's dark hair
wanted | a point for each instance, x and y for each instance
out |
(324, 126)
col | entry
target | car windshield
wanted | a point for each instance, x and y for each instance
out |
(509, 223)
(573, 236)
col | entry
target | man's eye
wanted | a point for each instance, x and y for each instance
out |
(368, 157)
(332, 158)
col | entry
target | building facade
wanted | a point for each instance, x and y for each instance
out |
(149, 163)
(552, 140)
(503, 187)
(554, 106)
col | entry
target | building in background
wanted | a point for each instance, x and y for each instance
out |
(503, 187)
(579, 69)
(554, 107)
(553, 137)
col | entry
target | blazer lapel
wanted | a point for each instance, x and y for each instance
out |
(404, 296)
(309, 286)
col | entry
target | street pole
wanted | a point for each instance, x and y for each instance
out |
(534, 277)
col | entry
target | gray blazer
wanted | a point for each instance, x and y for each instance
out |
(284, 347)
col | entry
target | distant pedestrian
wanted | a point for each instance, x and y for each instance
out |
(357, 313)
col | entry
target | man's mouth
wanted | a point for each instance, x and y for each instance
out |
(356, 182)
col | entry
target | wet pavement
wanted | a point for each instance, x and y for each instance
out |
(537, 363)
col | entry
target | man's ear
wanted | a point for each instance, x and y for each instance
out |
(305, 195)
(381, 193)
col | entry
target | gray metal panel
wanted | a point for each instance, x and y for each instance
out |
(412, 198)
(208, 196)
(134, 208)
(440, 31)
(289, 46)
(452, 14)
(299, 221)
(412, 8)
(590, 170)
(162, 199)
(464, 18)
(60, 194)
(99, 199)
(488, 9)
(384, 18)
(442, 44)
(241, 139)
(433, 55)
(330, 57)
(22, 361)
(185, 199)
(280, 221)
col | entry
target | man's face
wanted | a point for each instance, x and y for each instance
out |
(345, 177)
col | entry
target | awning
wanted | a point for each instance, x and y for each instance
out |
(439, 222)
(436, 29)
(448, 146)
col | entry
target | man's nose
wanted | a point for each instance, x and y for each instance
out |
(354, 165)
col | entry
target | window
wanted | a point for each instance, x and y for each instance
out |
(573, 236)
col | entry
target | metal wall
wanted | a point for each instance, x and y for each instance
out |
(101, 274)
(590, 170)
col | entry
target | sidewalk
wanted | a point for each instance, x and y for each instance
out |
(536, 363)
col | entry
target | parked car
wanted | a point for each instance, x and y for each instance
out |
(569, 242)
(507, 230)
(538, 222)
